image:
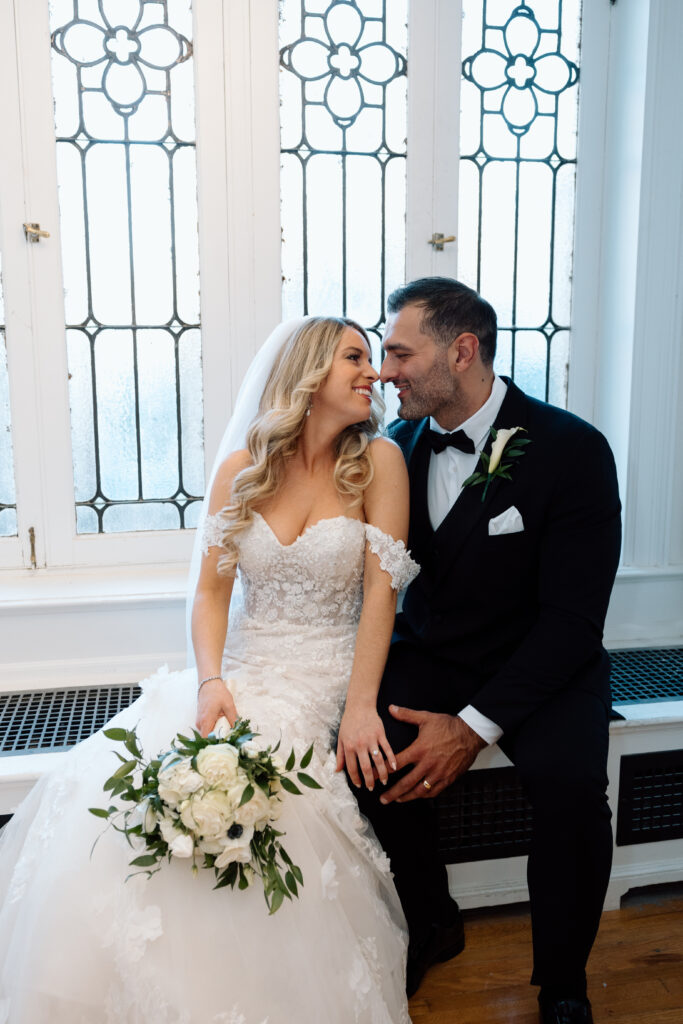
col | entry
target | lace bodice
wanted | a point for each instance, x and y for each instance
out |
(296, 607)
(318, 577)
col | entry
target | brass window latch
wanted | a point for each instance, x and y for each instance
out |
(34, 233)
(438, 240)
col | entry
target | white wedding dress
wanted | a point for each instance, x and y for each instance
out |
(78, 945)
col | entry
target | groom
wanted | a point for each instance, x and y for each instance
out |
(500, 636)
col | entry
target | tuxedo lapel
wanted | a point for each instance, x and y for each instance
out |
(469, 509)
(417, 455)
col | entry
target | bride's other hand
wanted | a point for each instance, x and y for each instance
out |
(363, 747)
(214, 701)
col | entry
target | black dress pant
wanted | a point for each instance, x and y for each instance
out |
(560, 753)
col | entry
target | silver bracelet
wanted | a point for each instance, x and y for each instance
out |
(207, 680)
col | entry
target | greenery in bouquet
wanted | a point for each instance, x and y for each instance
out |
(212, 799)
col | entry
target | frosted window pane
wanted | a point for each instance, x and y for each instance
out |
(519, 107)
(8, 511)
(343, 132)
(125, 127)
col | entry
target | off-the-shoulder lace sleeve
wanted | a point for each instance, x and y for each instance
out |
(393, 557)
(212, 534)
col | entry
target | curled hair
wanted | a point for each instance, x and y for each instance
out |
(302, 365)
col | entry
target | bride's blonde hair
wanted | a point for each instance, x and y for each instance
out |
(300, 368)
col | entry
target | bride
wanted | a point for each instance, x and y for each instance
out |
(302, 543)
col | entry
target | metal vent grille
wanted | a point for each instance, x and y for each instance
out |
(484, 816)
(58, 719)
(650, 797)
(647, 675)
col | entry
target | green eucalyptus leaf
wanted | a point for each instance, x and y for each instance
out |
(276, 901)
(99, 812)
(115, 734)
(126, 768)
(145, 861)
(290, 786)
(306, 780)
(306, 759)
(246, 795)
(291, 760)
(132, 746)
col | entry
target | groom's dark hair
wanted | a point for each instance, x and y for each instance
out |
(450, 308)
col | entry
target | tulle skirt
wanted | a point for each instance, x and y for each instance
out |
(79, 945)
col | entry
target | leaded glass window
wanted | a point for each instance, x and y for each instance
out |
(343, 152)
(519, 105)
(8, 507)
(125, 128)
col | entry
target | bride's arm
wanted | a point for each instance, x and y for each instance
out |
(361, 731)
(210, 611)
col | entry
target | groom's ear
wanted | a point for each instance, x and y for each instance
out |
(462, 352)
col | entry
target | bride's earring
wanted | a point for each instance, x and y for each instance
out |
(308, 410)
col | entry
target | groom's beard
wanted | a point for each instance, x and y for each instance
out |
(435, 391)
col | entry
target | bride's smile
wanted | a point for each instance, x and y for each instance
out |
(347, 392)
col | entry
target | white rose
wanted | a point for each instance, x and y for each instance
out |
(208, 815)
(251, 748)
(178, 781)
(256, 811)
(169, 829)
(211, 845)
(502, 438)
(182, 846)
(236, 846)
(234, 792)
(218, 764)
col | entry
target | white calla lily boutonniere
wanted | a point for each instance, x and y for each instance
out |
(497, 463)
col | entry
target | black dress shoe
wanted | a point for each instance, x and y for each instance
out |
(441, 943)
(564, 1011)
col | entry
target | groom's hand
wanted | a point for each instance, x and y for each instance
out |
(444, 749)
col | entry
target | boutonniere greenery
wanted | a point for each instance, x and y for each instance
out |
(498, 462)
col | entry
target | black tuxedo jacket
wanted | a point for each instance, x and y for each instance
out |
(507, 621)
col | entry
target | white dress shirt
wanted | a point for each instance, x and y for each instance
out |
(447, 472)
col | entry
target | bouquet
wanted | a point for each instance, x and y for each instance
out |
(211, 799)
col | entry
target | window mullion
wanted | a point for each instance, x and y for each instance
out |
(433, 136)
(55, 475)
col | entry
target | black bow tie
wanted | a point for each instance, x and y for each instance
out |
(458, 439)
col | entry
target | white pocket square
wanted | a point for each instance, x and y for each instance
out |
(509, 521)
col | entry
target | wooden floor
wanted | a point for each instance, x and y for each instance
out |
(635, 972)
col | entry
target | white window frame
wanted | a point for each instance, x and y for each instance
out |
(237, 230)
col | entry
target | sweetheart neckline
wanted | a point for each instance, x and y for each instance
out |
(325, 519)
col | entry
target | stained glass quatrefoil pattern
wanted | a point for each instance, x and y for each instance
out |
(125, 130)
(518, 127)
(343, 155)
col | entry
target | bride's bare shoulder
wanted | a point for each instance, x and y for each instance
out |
(225, 476)
(386, 455)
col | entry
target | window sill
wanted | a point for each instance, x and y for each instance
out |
(44, 589)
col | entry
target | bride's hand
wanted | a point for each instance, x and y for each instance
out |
(363, 746)
(214, 701)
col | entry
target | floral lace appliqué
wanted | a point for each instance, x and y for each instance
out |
(212, 533)
(393, 557)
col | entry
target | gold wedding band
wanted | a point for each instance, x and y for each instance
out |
(426, 784)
